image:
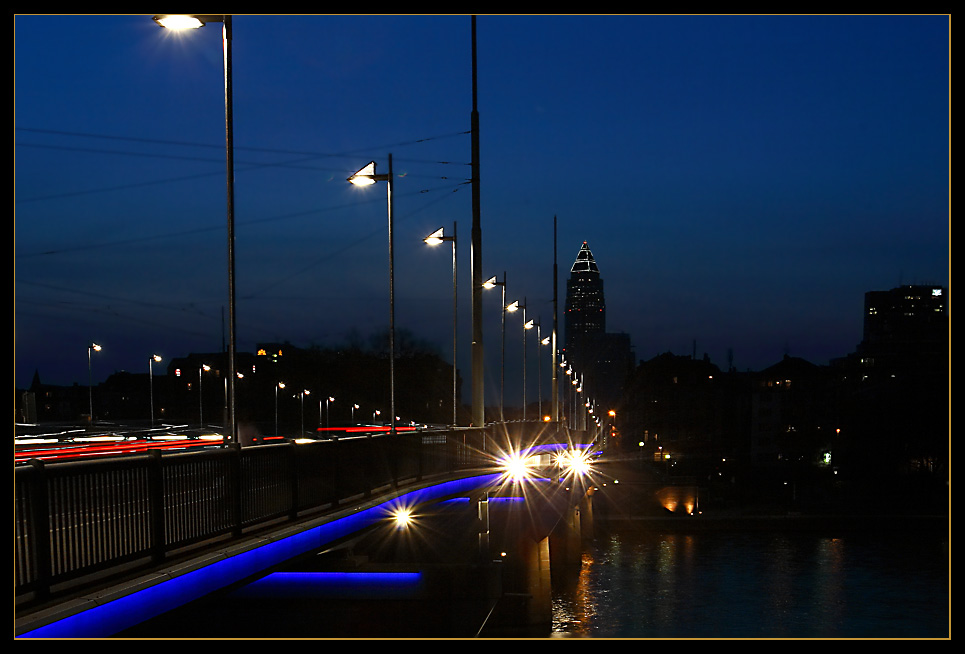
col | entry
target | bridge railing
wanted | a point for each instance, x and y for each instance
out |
(78, 519)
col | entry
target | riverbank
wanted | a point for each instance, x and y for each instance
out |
(733, 521)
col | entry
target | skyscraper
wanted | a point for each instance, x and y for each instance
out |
(603, 360)
(585, 304)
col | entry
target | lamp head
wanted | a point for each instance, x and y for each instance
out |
(435, 238)
(365, 176)
(187, 21)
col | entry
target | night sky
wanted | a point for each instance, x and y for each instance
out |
(742, 181)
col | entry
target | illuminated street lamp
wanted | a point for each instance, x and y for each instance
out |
(93, 347)
(180, 22)
(303, 394)
(328, 400)
(150, 372)
(204, 368)
(540, 343)
(435, 238)
(492, 283)
(367, 176)
(512, 308)
(277, 386)
(527, 325)
(354, 407)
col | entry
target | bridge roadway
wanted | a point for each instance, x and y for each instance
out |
(476, 550)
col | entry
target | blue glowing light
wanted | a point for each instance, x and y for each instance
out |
(111, 617)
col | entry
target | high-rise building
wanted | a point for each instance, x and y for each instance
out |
(604, 360)
(905, 315)
(905, 328)
(585, 304)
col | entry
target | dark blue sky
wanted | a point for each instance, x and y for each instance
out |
(741, 180)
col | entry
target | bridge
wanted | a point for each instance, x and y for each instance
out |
(459, 521)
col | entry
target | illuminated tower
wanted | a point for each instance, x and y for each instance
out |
(602, 361)
(585, 314)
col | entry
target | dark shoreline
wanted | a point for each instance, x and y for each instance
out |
(789, 522)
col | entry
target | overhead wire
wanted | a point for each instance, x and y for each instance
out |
(306, 156)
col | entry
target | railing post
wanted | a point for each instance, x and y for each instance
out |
(234, 487)
(155, 485)
(293, 472)
(40, 528)
(420, 449)
(335, 466)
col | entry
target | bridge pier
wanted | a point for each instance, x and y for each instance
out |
(526, 604)
(574, 528)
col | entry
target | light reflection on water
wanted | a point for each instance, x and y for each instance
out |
(634, 584)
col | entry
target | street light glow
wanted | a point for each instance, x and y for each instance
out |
(575, 462)
(517, 467)
(178, 21)
(402, 517)
(365, 176)
(435, 238)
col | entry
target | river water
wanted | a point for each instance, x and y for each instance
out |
(636, 583)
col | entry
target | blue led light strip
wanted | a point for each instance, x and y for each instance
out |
(114, 616)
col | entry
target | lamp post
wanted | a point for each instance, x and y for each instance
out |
(491, 283)
(93, 347)
(150, 372)
(572, 397)
(172, 21)
(354, 407)
(204, 367)
(509, 308)
(541, 342)
(277, 386)
(365, 177)
(527, 324)
(303, 394)
(435, 238)
(328, 400)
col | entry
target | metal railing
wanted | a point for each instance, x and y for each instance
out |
(76, 519)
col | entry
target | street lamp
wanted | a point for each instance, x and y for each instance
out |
(491, 283)
(303, 394)
(204, 368)
(367, 176)
(513, 308)
(354, 407)
(327, 401)
(277, 386)
(527, 324)
(150, 372)
(540, 342)
(93, 347)
(435, 238)
(177, 22)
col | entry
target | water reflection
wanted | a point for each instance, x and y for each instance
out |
(712, 585)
